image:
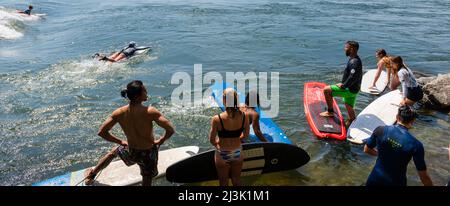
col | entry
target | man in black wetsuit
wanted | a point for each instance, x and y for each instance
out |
(348, 89)
(126, 52)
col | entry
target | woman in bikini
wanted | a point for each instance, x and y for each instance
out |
(227, 130)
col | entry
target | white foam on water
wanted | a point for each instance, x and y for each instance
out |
(10, 23)
(8, 53)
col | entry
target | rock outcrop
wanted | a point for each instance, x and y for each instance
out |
(436, 91)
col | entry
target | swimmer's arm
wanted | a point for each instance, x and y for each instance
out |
(162, 122)
(106, 127)
(142, 48)
(371, 151)
(419, 161)
(389, 72)
(369, 148)
(395, 81)
(377, 75)
(246, 132)
(425, 178)
(257, 129)
(213, 133)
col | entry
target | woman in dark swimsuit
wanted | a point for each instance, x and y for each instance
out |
(227, 131)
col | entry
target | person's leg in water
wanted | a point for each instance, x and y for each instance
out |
(90, 173)
(113, 56)
(118, 57)
(329, 98)
(236, 168)
(351, 115)
(147, 180)
(223, 169)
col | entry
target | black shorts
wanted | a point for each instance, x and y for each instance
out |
(414, 93)
(146, 159)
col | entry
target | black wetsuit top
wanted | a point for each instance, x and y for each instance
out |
(28, 11)
(353, 75)
(128, 51)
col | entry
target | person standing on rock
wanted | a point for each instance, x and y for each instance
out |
(412, 92)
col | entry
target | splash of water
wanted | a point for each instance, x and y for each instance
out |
(12, 23)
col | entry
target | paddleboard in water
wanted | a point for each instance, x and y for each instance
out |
(314, 103)
(118, 174)
(367, 81)
(271, 131)
(259, 158)
(382, 111)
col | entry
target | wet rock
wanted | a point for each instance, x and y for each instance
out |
(436, 91)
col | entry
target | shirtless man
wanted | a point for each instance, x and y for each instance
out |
(136, 120)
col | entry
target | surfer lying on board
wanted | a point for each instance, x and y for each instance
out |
(136, 120)
(395, 148)
(384, 62)
(250, 108)
(412, 92)
(227, 130)
(126, 52)
(350, 85)
(28, 11)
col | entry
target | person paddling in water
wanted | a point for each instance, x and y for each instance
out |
(350, 85)
(136, 121)
(412, 92)
(227, 130)
(126, 52)
(384, 62)
(250, 108)
(28, 11)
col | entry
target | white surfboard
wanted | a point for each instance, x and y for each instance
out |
(118, 174)
(367, 81)
(382, 111)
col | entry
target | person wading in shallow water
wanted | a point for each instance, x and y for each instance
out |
(136, 120)
(227, 130)
(349, 88)
(395, 148)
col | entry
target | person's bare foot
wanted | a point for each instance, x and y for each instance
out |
(348, 122)
(89, 176)
(327, 114)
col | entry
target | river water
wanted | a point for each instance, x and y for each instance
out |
(54, 97)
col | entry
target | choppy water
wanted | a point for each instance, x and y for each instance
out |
(53, 97)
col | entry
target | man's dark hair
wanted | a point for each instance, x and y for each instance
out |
(134, 89)
(353, 44)
(407, 114)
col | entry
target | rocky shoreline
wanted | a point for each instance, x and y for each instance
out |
(436, 91)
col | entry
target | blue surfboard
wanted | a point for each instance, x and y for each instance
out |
(270, 129)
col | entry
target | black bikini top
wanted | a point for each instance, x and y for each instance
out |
(231, 133)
